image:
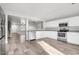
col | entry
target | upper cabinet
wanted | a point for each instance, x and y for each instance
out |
(74, 24)
(74, 21)
(54, 24)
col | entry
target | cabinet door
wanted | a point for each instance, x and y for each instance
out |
(74, 24)
(74, 21)
(32, 35)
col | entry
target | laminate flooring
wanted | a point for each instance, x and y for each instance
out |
(43, 46)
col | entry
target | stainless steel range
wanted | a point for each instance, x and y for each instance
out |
(62, 32)
(62, 36)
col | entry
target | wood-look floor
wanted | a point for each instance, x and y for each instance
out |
(66, 48)
(47, 46)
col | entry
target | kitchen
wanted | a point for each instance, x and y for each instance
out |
(42, 29)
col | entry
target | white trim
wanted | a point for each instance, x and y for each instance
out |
(6, 29)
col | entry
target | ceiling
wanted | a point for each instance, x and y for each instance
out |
(42, 11)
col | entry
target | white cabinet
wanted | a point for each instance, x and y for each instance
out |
(32, 35)
(54, 23)
(44, 34)
(73, 37)
(74, 21)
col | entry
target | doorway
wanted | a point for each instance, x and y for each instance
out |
(16, 34)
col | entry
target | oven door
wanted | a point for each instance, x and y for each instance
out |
(62, 36)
